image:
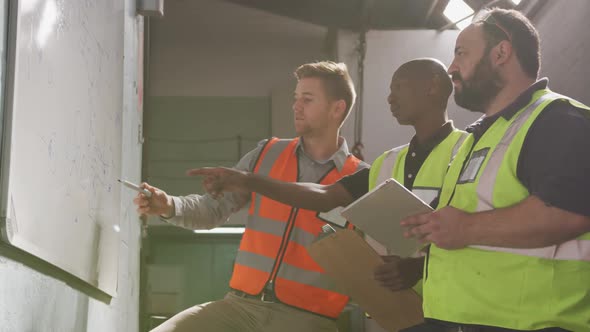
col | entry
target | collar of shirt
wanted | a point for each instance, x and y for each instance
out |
(339, 157)
(482, 124)
(431, 142)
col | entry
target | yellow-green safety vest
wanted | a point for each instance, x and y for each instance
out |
(429, 180)
(523, 289)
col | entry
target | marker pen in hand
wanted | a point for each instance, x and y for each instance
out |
(137, 188)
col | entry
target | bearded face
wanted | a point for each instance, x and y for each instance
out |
(475, 93)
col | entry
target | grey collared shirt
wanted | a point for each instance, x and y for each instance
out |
(205, 212)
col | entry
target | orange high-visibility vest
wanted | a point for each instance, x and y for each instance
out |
(273, 247)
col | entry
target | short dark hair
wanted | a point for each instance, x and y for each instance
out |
(503, 24)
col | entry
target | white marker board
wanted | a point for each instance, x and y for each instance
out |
(61, 138)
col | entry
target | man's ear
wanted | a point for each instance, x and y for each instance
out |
(500, 54)
(434, 88)
(339, 109)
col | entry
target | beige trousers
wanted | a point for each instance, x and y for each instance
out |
(237, 314)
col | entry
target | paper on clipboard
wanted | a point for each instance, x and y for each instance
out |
(351, 263)
(379, 212)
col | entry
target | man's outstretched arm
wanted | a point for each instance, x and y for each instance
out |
(309, 196)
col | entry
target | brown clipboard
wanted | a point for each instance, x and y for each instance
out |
(350, 262)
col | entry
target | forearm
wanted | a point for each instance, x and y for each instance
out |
(202, 211)
(308, 196)
(528, 224)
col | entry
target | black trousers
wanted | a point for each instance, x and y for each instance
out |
(437, 326)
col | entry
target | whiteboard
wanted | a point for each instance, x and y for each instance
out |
(61, 146)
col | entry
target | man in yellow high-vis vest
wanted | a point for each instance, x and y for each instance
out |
(419, 92)
(511, 236)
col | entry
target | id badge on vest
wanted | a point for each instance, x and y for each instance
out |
(470, 172)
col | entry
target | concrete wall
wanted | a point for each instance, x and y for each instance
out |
(37, 298)
(563, 26)
(216, 48)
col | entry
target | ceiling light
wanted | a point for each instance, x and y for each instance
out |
(457, 10)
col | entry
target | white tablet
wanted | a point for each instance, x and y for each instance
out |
(379, 212)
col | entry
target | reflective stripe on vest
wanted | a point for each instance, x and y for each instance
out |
(386, 169)
(577, 249)
(274, 244)
(394, 159)
(428, 181)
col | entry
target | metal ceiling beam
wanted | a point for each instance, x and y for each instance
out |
(429, 12)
